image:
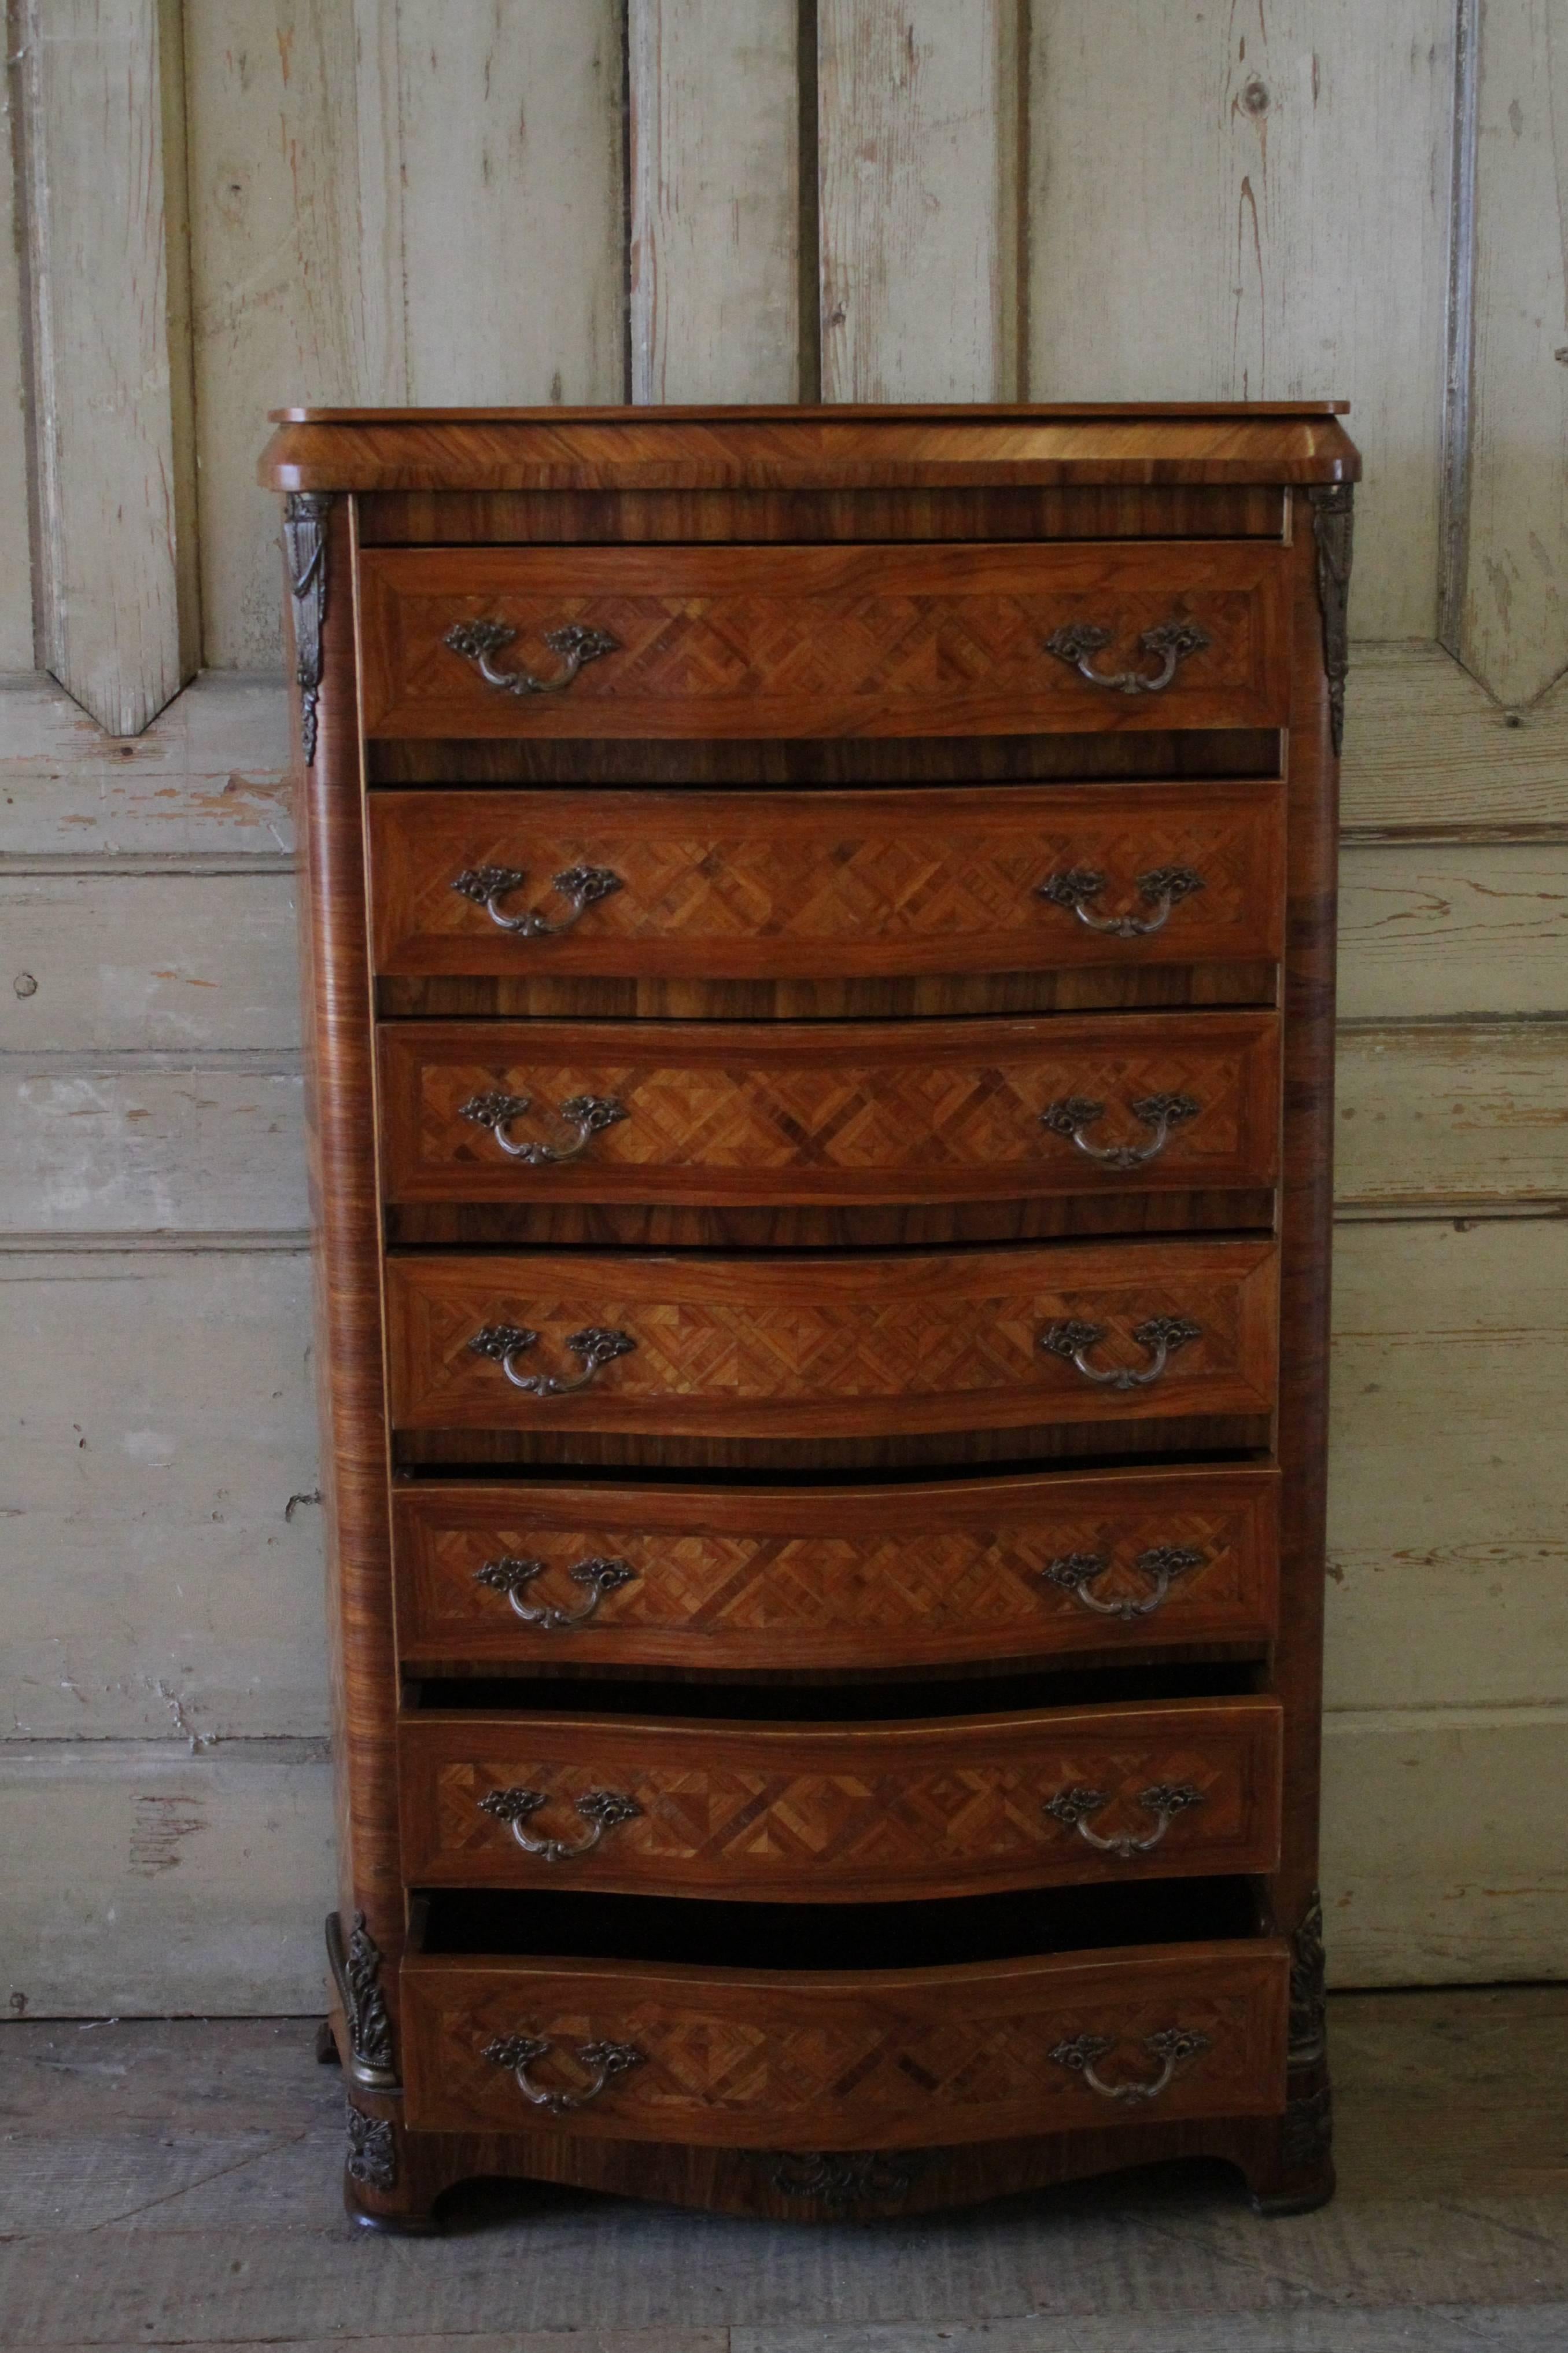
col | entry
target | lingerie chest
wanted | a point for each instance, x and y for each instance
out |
(817, 930)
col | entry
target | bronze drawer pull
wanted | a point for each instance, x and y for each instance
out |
(1171, 2047)
(589, 1114)
(1161, 1113)
(1077, 1571)
(594, 1346)
(1162, 888)
(1075, 1806)
(477, 641)
(513, 1576)
(602, 2061)
(1161, 1336)
(1172, 641)
(581, 886)
(602, 1809)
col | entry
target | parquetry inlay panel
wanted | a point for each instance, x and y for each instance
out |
(805, 641)
(833, 1341)
(936, 2056)
(914, 1572)
(718, 1116)
(817, 1814)
(819, 884)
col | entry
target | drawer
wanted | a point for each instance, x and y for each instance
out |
(844, 2059)
(816, 641)
(827, 885)
(828, 1346)
(825, 1813)
(765, 1577)
(829, 1112)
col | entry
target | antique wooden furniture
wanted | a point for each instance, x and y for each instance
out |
(818, 929)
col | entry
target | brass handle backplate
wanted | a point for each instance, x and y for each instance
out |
(1161, 1113)
(1161, 1337)
(581, 886)
(588, 1115)
(593, 1347)
(1162, 888)
(1171, 644)
(1076, 1807)
(601, 2062)
(1077, 1572)
(1171, 2049)
(513, 1576)
(477, 641)
(602, 1809)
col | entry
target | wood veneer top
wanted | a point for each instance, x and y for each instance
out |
(931, 448)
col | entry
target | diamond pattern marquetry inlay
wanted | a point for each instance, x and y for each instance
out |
(900, 2064)
(966, 1805)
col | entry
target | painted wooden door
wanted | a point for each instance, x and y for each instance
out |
(404, 201)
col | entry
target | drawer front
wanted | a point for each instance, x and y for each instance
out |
(810, 1813)
(814, 641)
(728, 1115)
(819, 886)
(830, 1577)
(904, 2059)
(833, 1345)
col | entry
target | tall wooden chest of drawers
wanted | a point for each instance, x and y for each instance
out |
(818, 943)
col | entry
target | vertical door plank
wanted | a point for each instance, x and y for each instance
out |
(394, 204)
(1275, 225)
(103, 104)
(277, 249)
(16, 651)
(715, 200)
(1514, 628)
(513, 260)
(918, 142)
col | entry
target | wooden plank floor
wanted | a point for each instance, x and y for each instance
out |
(176, 2184)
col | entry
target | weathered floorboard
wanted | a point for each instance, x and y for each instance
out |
(1427, 749)
(1433, 1118)
(142, 1879)
(715, 273)
(154, 961)
(103, 111)
(160, 1477)
(1448, 1549)
(1463, 1115)
(1453, 928)
(160, 1145)
(1276, 226)
(208, 778)
(1514, 621)
(164, 960)
(918, 139)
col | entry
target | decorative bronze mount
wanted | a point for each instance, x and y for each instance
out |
(841, 2178)
(371, 2159)
(305, 544)
(1333, 528)
(356, 1973)
(1309, 2039)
